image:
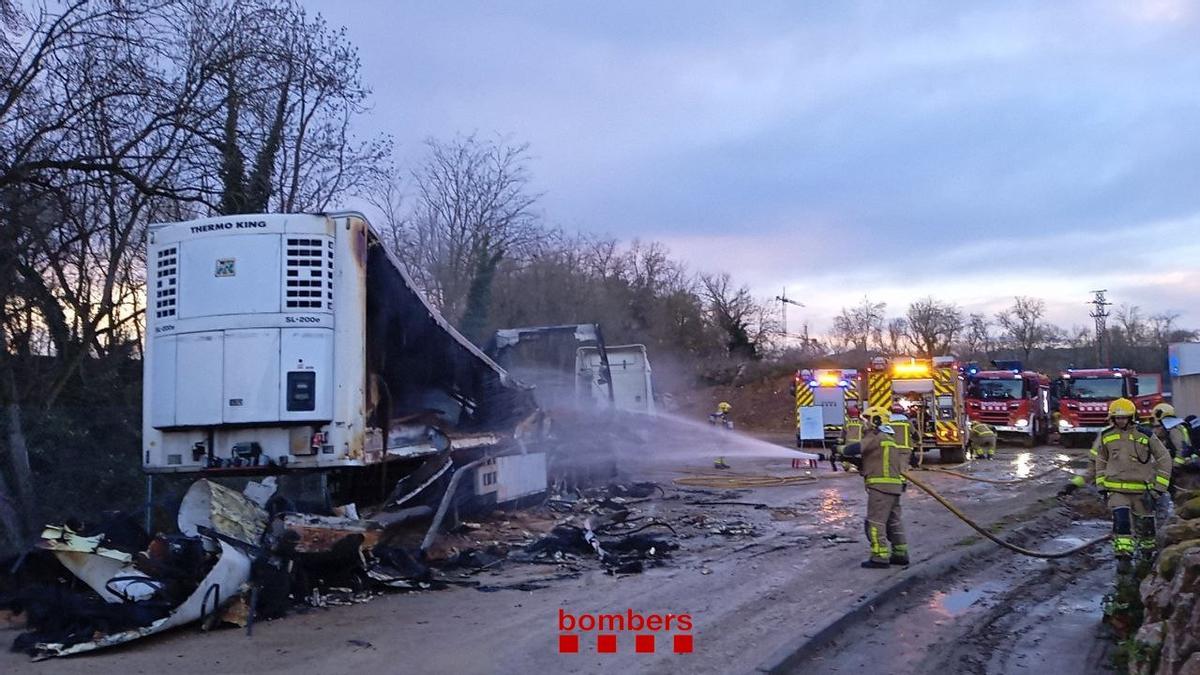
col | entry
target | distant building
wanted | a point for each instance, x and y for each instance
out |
(1183, 366)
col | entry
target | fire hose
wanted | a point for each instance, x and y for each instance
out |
(1061, 466)
(733, 482)
(981, 530)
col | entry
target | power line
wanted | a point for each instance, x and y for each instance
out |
(1100, 314)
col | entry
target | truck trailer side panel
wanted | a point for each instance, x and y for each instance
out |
(292, 341)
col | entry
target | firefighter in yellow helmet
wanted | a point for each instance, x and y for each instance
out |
(1132, 470)
(983, 441)
(883, 466)
(1176, 436)
(721, 416)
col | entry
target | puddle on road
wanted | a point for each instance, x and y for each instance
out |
(833, 510)
(827, 511)
(953, 603)
(1024, 464)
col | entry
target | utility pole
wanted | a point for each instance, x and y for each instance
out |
(784, 301)
(1100, 314)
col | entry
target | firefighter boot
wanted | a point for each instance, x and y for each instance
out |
(1123, 542)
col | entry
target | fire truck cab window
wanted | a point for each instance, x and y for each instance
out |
(996, 390)
(300, 388)
(1095, 389)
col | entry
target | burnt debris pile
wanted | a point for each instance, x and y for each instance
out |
(234, 561)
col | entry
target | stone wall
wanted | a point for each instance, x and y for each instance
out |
(1168, 642)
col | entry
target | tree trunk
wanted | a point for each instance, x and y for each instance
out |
(18, 449)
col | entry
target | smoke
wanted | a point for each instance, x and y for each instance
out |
(589, 444)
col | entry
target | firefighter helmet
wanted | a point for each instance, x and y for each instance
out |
(1122, 407)
(876, 415)
(1163, 410)
(724, 407)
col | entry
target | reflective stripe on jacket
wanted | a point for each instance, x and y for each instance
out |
(883, 462)
(853, 431)
(1131, 460)
(981, 430)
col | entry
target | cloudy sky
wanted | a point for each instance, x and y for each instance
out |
(836, 148)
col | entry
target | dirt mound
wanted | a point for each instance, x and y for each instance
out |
(766, 405)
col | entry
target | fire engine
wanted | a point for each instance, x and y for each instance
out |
(1083, 396)
(834, 390)
(930, 393)
(1014, 402)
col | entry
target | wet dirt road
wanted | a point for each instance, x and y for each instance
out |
(749, 594)
(1000, 614)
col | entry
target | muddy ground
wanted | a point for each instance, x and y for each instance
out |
(756, 580)
(1000, 615)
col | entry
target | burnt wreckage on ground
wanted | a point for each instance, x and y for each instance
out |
(291, 357)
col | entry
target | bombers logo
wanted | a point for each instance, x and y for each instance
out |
(645, 628)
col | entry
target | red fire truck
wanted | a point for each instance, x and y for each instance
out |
(1016, 403)
(1083, 397)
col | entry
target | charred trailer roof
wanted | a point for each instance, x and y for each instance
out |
(415, 352)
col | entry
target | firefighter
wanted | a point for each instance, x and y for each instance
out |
(903, 433)
(1132, 469)
(852, 434)
(983, 441)
(1175, 435)
(721, 417)
(882, 469)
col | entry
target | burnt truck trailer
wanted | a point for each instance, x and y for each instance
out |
(281, 343)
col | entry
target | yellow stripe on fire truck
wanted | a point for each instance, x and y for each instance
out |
(879, 390)
(804, 396)
(943, 381)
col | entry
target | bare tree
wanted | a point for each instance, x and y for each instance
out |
(89, 136)
(387, 196)
(473, 209)
(896, 332)
(860, 326)
(977, 339)
(1129, 321)
(933, 326)
(284, 90)
(1163, 331)
(745, 322)
(117, 114)
(1078, 337)
(1024, 326)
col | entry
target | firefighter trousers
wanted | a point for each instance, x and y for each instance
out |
(885, 532)
(984, 446)
(1133, 524)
